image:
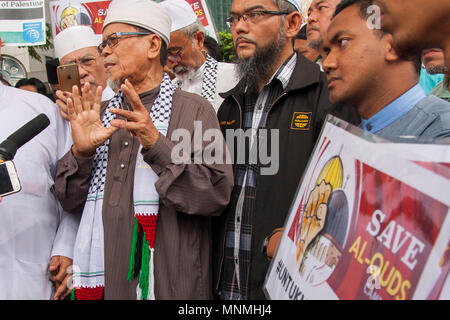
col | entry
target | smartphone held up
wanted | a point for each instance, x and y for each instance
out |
(9, 180)
(68, 77)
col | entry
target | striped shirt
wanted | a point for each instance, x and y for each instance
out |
(239, 226)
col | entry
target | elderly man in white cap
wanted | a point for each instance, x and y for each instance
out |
(195, 70)
(146, 209)
(78, 45)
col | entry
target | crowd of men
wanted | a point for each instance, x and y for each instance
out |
(149, 182)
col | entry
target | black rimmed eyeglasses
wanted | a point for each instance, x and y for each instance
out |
(251, 17)
(113, 39)
(176, 56)
(85, 62)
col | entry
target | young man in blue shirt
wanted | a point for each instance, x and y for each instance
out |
(365, 71)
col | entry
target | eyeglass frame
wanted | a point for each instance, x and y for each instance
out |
(178, 53)
(245, 16)
(112, 42)
(83, 64)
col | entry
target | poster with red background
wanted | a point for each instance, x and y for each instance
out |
(379, 223)
(65, 13)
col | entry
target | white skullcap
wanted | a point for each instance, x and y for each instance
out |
(180, 12)
(74, 38)
(140, 13)
(297, 4)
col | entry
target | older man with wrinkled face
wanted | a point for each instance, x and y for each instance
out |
(78, 45)
(142, 199)
(195, 71)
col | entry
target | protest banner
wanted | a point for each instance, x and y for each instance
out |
(64, 13)
(201, 10)
(367, 222)
(22, 23)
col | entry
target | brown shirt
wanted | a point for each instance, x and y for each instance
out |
(189, 195)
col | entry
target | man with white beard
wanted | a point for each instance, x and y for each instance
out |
(195, 70)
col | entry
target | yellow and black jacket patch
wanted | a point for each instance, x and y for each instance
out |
(301, 121)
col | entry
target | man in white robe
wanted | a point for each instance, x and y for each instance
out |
(195, 71)
(33, 228)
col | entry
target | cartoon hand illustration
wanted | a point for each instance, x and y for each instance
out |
(313, 218)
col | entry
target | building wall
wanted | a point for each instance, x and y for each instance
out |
(34, 68)
(220, 10)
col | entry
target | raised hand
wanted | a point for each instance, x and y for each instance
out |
(88, 133)
(138, 121)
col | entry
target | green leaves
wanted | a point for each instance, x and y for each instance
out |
(227, 46)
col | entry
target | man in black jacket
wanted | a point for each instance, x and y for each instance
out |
(278, 108)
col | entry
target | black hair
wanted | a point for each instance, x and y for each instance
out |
(40, 86)
(50, 67)
(363, 6)
(162, 50)
(301, 33)
(213, 48)
(364, 14)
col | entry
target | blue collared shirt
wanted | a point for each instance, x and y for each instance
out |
(394, 110)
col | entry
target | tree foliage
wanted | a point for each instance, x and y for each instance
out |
(227, 46)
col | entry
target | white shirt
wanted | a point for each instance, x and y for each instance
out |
(227, 79)
(33, 227)
(107, 94)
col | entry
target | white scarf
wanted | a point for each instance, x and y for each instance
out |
(88, 273)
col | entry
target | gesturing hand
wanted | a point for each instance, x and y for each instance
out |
(138, 121)
(84, 115)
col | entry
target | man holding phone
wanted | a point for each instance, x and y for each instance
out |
(78, 45)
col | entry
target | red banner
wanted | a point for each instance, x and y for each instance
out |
(65, 14)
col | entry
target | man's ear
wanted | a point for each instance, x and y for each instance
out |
(388, 41)
(292, 24)
(198, 38)
(155, 43)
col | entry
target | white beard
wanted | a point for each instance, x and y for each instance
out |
(114, 84)
(183, 73)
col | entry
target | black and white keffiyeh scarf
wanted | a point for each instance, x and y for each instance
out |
(209, 82)
(88, 263)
